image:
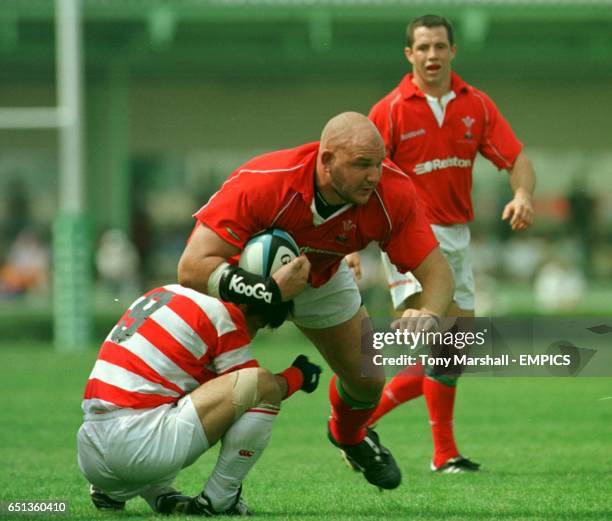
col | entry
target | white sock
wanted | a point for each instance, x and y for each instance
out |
(241, 447)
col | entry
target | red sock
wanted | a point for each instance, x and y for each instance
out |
(348, 416)
(404, 386)
(440, 402)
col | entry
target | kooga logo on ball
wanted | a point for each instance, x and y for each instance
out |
(257, 291)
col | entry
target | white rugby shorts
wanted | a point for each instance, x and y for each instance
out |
(455, 245)
(130, 452)
(337, 301)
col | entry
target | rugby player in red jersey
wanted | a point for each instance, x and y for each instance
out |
(333, 197)
(173, 377)
(434, 124)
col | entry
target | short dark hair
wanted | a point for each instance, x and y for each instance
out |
(429, 20)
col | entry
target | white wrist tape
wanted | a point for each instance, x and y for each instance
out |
(215, 278)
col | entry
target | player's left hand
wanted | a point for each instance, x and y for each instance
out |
(519, 211)
(417, 320)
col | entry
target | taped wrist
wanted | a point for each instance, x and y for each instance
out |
(295, 380)
(241, 287)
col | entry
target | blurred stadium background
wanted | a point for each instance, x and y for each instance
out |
(176, 94)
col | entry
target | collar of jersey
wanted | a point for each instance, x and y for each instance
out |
(408, 88)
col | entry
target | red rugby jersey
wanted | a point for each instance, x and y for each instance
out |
(277, 190)
(440, 159)
(170, 341)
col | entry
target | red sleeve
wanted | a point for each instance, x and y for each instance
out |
(411, 238)
(239, 210)
(499, 143)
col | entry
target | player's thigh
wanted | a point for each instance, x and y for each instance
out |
(221, 401)
(124, 454)
(341, 346)
(156, 445)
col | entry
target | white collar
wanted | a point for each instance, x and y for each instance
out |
(438, 106)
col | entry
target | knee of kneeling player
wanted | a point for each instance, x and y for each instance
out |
(268, 386)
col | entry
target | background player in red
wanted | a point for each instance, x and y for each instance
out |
(174, 376)
(434, 124)
(334, 197)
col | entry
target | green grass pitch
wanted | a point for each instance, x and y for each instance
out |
(545, 445)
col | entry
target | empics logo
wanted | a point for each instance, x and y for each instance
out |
(441, 164)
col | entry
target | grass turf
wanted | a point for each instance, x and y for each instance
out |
(545, 446)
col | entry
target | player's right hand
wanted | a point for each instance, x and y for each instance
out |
(354, 262)
(417, 320)
(292, 277)
(311, 373)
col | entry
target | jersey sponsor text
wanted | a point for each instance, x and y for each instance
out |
(440, 164)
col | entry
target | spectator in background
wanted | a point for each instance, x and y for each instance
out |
(581, 220)
(118, 264)
(27, 264)
(17, 204)
(559, 285)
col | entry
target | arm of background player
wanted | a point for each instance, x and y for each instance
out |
(204, 252)
(522, 180)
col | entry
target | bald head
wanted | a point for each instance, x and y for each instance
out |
(349, 159)
(349, 130)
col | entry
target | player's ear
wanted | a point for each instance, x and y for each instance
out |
(408, 53)
(453, 52)
(327, 157)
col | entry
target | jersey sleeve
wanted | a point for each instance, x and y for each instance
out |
(238, 210)
(499, 144)
(381, 116)
(411, 238)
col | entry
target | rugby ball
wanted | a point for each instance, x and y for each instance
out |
(268, 251)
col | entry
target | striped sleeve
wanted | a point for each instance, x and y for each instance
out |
(234, 347)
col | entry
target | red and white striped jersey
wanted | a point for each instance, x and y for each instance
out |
(170, 341)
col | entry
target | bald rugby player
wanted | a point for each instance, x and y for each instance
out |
(334, 197)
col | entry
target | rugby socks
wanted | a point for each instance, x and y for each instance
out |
(348, 416)
(405, 386)
(241, 447)
(440, 399)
